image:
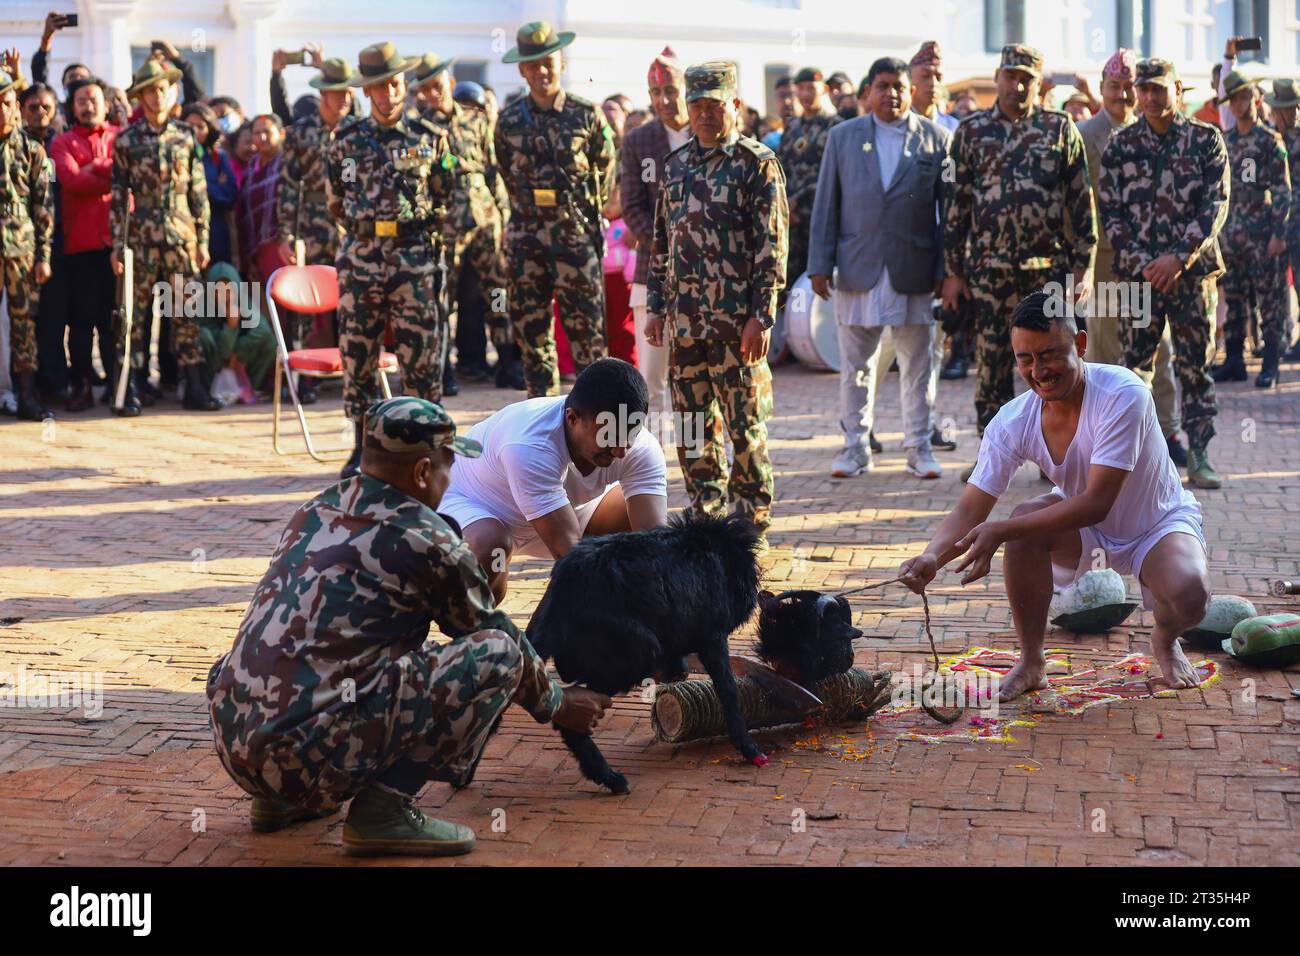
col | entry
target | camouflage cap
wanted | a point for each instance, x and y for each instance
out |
(1018, 56)
(715, 80)
(408, 425)
(1154, 71)
(7, 83)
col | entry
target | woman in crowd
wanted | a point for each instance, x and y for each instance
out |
(239, 150)
(260, 249)
(223, 189)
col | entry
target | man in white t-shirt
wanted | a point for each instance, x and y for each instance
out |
(555, 470)
(1093, 431)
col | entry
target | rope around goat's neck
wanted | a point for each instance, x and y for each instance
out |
(934, 651)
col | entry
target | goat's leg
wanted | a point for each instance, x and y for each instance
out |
(592, 762)
(719, 668)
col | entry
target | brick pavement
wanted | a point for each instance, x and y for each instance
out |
(130, 547)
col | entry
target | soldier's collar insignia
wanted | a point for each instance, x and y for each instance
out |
(866, 147)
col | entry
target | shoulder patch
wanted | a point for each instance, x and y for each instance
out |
(578, 100)
(755, 147)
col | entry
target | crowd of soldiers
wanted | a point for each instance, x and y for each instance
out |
(405, 199)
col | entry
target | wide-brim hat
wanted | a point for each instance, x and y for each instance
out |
(379, 63)
(1236, 81)
(336, 73)
(151, 73)
(536, 40)
(430, 65)
(1284, 94)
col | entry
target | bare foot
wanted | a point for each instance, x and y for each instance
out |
(1027, 675)
(1175, 668)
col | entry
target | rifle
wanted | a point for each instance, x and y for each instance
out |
(126, 296)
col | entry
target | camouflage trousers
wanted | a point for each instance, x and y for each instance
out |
(22, 295)
(1254, 282)
(711, 385)
(796, 263)
(404, 299)
(995, 293)
(480, 249)
(554, 258)
(429, 718)
(156, 266)
(1190, 315)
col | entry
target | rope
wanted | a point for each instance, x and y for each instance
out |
(934, 712)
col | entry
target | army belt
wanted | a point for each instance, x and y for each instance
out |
(316, 195)
(392, 228)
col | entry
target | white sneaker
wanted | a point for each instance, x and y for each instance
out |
(852, 461)
(922, 463)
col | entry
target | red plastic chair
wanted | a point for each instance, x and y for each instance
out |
(309, 290)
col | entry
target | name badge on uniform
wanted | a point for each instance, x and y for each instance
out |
(544, 197)
(1037, 262)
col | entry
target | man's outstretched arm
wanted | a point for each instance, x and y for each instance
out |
(973, 507)
(1069, 514)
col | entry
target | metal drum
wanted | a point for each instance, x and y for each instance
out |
(810, 327)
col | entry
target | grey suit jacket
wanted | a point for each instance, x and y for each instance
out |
(860, 227)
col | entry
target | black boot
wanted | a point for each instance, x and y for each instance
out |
(145, 390)
(197, 396)
(353, 465)
(1267, 377)
(1292, 354)
(130, 398)
(449, 386)
(306, 390)
(1233, 368)
(30, 408)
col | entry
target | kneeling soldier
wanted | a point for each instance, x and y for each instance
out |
(331, 690)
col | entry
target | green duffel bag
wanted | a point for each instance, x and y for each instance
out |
(1096, 602)
(1224, 613)
(1272, 640)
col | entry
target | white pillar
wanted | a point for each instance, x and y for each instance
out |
(250, 53)
(107, 47)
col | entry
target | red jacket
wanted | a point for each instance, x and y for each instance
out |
(83, 166)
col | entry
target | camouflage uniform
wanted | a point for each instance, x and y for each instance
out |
(558, 167)
(474, 224)
(159, 209)
(388, 186)
(26, 233)
(302, 203)
(332, 685)
(1022, 198)
(718, 259)
(1257, 212)
(1169, 194)
(800, 152)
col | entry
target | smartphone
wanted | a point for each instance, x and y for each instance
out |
(1250, 43)
(1063, 79)
(296, 57)
(68, 20)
